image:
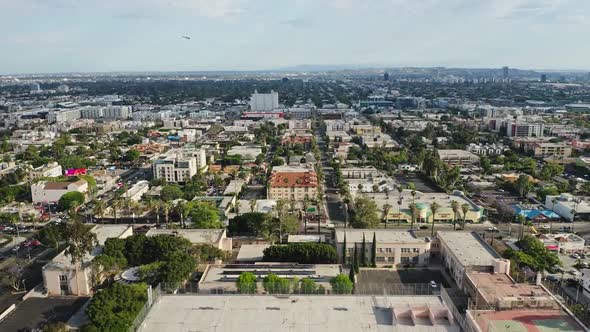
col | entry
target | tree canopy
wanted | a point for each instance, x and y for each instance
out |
(115, 308)
(365, 213)
(71, 200)
(303, 253)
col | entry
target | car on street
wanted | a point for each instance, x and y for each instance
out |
(433, 284)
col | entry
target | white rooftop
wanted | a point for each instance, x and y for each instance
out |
(468, 250)
(222, 313)
(210, 236)
(251, 252)
(381, 236)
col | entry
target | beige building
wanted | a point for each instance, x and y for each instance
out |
(215, 237)
(52, 169)
(455, 157)
(444, 214)
(61, 277)
(394, 247)
(555, 150)
(293, 183)
(175, 168)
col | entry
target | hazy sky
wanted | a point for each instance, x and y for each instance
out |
(120, 35)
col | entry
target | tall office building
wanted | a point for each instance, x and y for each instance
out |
(386, 76)
(543, 78)
(505, 72)
(264, 101)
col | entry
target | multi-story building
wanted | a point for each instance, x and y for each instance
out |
(394, 247)
(569, 206)
(299, 124)
(264, 101)
(524, 129)
(52, 169)
(292, 183)
(51, 192)
(336, 125)
(175, 167)
(455, 157)
(554, 150)
(487, 149)
(65, 115)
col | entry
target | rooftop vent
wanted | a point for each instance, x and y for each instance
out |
(340, 309)
(273, 308)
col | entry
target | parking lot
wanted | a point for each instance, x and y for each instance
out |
(420, 184)
(401, 282)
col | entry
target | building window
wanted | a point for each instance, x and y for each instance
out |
(380, 259)
(379, 249)
(388, 250)
(416, 250)
(405, 260)
(405, 250)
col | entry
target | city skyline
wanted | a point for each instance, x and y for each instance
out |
(244, 35)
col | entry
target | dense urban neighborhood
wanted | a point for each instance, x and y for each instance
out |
(410, 199)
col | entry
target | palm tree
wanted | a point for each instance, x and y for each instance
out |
(135, 208)
(386, 208)
(116, 203)
(99, 208)
(433, 207)
(157, 207)
(180, 209)
(166, 209)
(80, 241)
(455, 207)
(414, 211)
(464, 209)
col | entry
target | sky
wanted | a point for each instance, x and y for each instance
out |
(42, 36)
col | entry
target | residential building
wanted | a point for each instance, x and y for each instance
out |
(487, 149)
(554, 150)
(65, 115)
(61, 277)
(300, 125)
(215, 237)
(365, 129)
(51, 192)
(299, 112)
(569, 206)
(462, 252)
(394, 247)
(264, 101)
(136, 192)
(292, 183)
(454, 157)
(247, 152)
(563, 242)
(336, 125)
(52, 169)
(524, 129)
(175, 167)
(336, 313)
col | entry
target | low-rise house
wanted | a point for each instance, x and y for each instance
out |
(455, 157)
(51, 191)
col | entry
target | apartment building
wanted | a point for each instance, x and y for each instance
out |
(394, 247)
(554, 150)
(524, 129)
(292, 183)
(62, 116)
(455, 157)
(175, 167)
(487, 149)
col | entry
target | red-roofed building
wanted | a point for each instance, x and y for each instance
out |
(293, 185)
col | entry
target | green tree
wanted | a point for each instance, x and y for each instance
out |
(274, 284)
(132, 155)
(344, 250)
(246, 283)
(364, 213)
(303, 253)
(80, 241)
(455, 208)
(71, 200)
(355, 260)
(341, 284)
(374, 251)
(171, 192)
(433, 208)
(465, 208)
(308, 286)
(364, 252)
(203, 215)
(523, 185)
(116, 307)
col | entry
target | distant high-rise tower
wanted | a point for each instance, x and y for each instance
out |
(505, 72)
(386, 76)
(543, 78)
(588, 78)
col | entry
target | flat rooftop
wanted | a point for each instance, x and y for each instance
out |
(295, 313)
(467, 248)
(251, 252)
(229, 273)
(381, 236)
(525, 321)
(494, 286)
(210, 236)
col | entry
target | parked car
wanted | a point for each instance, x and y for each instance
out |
(433, 284)
(553, 277)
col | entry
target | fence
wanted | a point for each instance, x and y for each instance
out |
(572, 301)
(154, 295)
(459, 317)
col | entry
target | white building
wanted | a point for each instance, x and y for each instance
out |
(264, 101)
(137, 191)
(487, 149)
(61, 277)
(175, 167)
(51, 192)
(62, 116)
(52, 169)
(568, 206)
(248, 153)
